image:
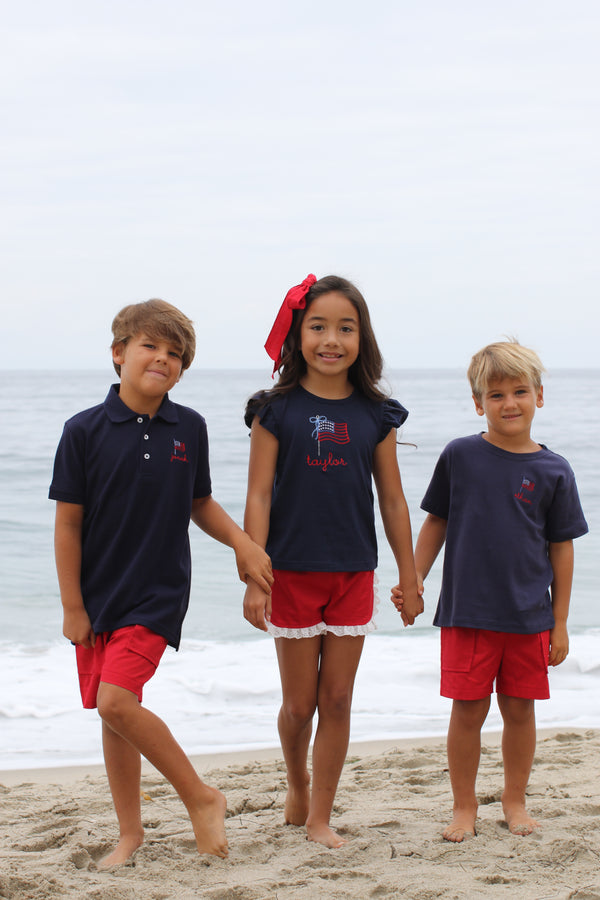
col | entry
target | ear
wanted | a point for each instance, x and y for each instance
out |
(478, 407)
(540, 397)
(118, 353)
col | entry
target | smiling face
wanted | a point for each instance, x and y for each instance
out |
(509, 406)
(150, 367)
(329, 340)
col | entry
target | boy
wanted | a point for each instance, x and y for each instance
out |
(508, 510)
(128, 476)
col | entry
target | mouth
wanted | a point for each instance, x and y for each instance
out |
(330, 355)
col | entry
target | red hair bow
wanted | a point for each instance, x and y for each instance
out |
(294, 299)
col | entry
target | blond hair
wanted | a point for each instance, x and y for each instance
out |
(159, 320)
(504, 359)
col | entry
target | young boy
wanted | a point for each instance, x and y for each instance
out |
(128, 476)
(508, 510)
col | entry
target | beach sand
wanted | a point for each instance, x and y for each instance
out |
(393, 801)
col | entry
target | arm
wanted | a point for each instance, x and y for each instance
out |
(561, 557)
(251, 560)
(396, 522)
(67, 550)
(429, 543)
(264, 449)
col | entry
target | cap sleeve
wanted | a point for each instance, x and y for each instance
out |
(260, 405)
(394, 415)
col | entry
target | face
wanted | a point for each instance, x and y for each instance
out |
(149, 368)
(330, 335)
(509, 406)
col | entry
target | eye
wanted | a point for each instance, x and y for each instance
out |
(347, 329)
(149, 345)
(175, 353)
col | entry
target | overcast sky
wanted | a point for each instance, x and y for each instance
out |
(442, 155)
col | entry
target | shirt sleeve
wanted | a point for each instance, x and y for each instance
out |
(68, 479)
(394, 415)
(565, 519)
(437, 496)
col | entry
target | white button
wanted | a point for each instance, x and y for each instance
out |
(140, 420)
(146, 456)
(146, 436)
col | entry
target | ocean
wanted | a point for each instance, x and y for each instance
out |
(221, 691)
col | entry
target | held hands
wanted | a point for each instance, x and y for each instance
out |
(409, 603)
(77, 627)
(257, 606)
(559, 645)
(253, 563)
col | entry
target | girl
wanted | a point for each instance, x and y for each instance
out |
(317, 439)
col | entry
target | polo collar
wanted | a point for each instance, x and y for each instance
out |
(117, 411)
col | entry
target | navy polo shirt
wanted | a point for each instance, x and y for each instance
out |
(136, 478)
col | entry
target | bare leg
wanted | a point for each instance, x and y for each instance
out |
(298, 660)
(340, 657)
(148, 735)
(464, 750)
(123, 767)
(518, 749)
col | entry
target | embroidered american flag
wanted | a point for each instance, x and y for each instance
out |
(326, 430)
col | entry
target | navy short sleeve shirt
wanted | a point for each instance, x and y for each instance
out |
(322, 517)
(502, 510)
(136, 479)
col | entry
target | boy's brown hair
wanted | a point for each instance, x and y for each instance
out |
(159, 320)
(504, 359)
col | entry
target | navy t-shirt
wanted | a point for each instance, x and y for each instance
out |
(502, 509)
(136, 478)
(322, 517)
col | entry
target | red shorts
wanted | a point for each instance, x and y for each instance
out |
(340, 602)
(472, 658)
(127, 657)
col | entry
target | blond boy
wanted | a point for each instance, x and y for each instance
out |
(507, 510)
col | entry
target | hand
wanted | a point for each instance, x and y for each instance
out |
(252, 562)
(77, 628)
(414, 609)
(257, 606)
(559, 645)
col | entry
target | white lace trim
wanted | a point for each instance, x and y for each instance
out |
(322, 627)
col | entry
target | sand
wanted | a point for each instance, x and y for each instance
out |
(392, 803)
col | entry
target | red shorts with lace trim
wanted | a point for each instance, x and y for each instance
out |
(127, 657)
(473, 658)
(313, 599)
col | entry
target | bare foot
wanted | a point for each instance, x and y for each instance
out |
(518, 819)
(323, 834)
(462, 826)
(296, 804)
(208, 820)
(124, 850)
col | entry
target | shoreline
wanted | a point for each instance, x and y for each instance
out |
(208, 762)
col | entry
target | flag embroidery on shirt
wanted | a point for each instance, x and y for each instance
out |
(527, 485)
(178, 451)
(326, 430)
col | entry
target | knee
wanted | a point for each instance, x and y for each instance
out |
(335, 704)
(471, 714)
(298, 712)
(516, 710)
(114, 704)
